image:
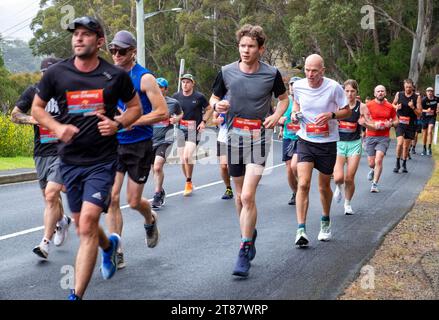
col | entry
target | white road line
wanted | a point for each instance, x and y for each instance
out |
(21, 233)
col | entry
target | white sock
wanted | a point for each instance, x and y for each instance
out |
(347, 202)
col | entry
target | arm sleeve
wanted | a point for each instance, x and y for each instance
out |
(278, 85)
(127, 90)
(24, 103)
(219, 88)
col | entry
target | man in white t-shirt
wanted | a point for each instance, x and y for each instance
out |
(321, 102)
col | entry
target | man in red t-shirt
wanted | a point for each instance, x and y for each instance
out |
(379, 117)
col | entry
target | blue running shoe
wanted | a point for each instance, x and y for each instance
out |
(73, 296)
(109, 259)
(252, 251)
(243, 263)
(228, 194)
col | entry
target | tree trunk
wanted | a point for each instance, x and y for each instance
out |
(420, 41)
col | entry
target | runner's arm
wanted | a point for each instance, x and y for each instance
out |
(19, 117)
(418, 106)
(395, 102)
(282, 106)
(159, 109)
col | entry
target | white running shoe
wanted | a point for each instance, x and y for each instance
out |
(61, 231)
(338, 193)
(301, 238)
(370, 175)
(348, 210)
(374, 188)
(42, 250)
(325, 231)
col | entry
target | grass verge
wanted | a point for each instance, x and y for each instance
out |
(16, 163)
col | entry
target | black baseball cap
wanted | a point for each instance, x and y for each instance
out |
(89, 23)
(47, 62)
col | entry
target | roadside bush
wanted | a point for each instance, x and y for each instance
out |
(15, 140)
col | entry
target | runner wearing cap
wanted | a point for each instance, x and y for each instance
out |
(47, 166)
(289, 143)
(87, 90)
(321, 102)
(349, 148)
(409, 106)
(135, 151)
(379, 117)
(163, 139)
(197, 112)
(429, 113)
(249, 128)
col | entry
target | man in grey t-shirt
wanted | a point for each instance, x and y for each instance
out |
(244, 91)
(163, 137)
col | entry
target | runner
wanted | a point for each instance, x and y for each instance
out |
(248, 141)
(379, 117)
(47, 166)
(220, 119)
(349, 148)
(163, 139)
(87, 89)
(409, 106)
(289, 143)
(135, 153)
(193, 123)
(429, 113)
(321, 102)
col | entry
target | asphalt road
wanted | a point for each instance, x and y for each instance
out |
(200, 240)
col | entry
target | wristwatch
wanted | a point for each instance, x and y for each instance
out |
(333, 115)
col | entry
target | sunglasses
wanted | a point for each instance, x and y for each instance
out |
(89, 23)
(122, 51)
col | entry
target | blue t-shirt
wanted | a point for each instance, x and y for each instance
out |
(138, 133)
(290, 130)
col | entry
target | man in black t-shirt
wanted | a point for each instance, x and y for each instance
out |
(408, 107)
(429, 113)
(47, 166)
(194, 104)
(87, 89)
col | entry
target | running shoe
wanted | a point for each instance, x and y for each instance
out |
(413, 150)
(370, 175)
(301, 238)
(243, 265)
(228, 194)
(292, 201)
(338, 193)
(73, 296)
(188, 189)
(61, 231)
(424, 153)
(159, 199)
(120, 260)
(42, 250)
(404, 169)
(429, 152)
(396, 169)
(325, 231)
(348, 210)
(152, 233)
(374, 188)
(252, 251)
(109, 259)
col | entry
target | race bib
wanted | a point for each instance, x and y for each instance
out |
(404, 120)
(293, 128)
(347, 127)
(161, 124)
(47, 136)
(247, 127)
(188, 124)
(429, 113)
(315, 131)
(86, 102)
(380, 125)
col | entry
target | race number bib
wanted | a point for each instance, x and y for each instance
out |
(293, 128)
(404, 120)
(315, 131)
(86, 102)
(47, 136)
(188, 124)
(161, 124)
(347, 127)
(247, 127)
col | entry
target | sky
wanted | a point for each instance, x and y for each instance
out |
(15, 18)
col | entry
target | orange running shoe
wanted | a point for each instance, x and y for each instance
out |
(188, 188)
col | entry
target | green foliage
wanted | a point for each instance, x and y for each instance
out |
(15, 140)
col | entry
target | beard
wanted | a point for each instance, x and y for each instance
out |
(86, 52)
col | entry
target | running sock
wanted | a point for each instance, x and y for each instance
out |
(404, 162)
(325, 218)
(45, 240)
(301, 226)
(244, 240)
(347, 202)
(148, 226)
(228, 188)
(188, 179)
(398, 162)
(429, 147)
